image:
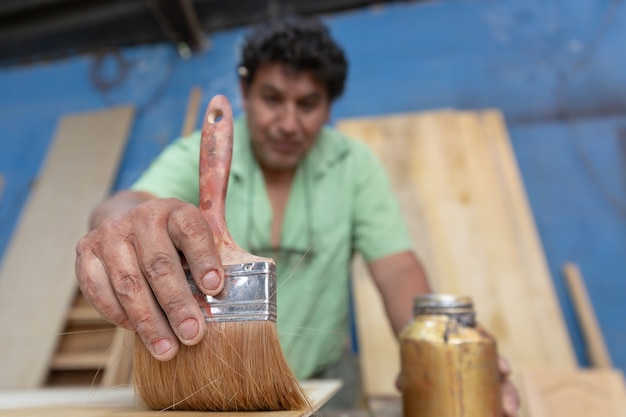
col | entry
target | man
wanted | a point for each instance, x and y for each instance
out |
(299, 192)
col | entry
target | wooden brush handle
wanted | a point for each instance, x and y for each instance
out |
(216, 150)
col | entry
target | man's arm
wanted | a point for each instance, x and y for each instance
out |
(399, 278)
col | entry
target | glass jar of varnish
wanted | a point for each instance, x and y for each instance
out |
(449, 363)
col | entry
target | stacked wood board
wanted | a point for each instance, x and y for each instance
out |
(90, 350)
(37, 279)
(461, 192)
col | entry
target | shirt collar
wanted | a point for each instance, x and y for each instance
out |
(329, 148)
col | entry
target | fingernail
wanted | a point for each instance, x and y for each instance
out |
(161, 346)
(211, 280)
(188, 329)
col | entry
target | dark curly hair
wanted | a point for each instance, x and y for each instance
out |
(302, 43)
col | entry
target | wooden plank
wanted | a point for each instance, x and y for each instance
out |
(118, 369)
(378, 376)
(37, 281)
(191, 114)
(596, 348)
(573, 393)
(120, 402)
(84, 315)
(86, 338)
(79, 360)
(463, 198)
(533, 301)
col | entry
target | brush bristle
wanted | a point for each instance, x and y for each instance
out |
(239, 366)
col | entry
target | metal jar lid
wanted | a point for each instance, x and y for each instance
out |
(442, 304)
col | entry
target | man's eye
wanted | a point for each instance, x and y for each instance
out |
(308, 105)
(271, 99)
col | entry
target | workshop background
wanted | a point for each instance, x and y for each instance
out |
(556, 69)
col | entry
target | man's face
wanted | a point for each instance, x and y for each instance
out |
(285, 111)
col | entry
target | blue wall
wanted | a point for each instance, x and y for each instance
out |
(556, 68)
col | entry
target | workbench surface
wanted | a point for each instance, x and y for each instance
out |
(120, 402)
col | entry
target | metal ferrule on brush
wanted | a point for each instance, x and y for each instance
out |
(249, 294)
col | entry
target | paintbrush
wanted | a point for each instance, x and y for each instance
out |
(239, 365)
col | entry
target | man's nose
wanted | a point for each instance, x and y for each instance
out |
(289, 120)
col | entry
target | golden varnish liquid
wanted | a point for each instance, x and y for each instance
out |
(449, 368)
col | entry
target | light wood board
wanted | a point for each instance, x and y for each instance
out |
(191, 113)
(120, 402)
(597, 351)
(37, 279)
(578, 393)
(462, 195)
(119, 365)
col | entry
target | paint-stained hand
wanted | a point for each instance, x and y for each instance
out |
(129, 267)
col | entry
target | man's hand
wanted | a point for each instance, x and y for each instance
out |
(510, 396)
(129, 268)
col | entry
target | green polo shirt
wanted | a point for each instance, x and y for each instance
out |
(341, 202)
